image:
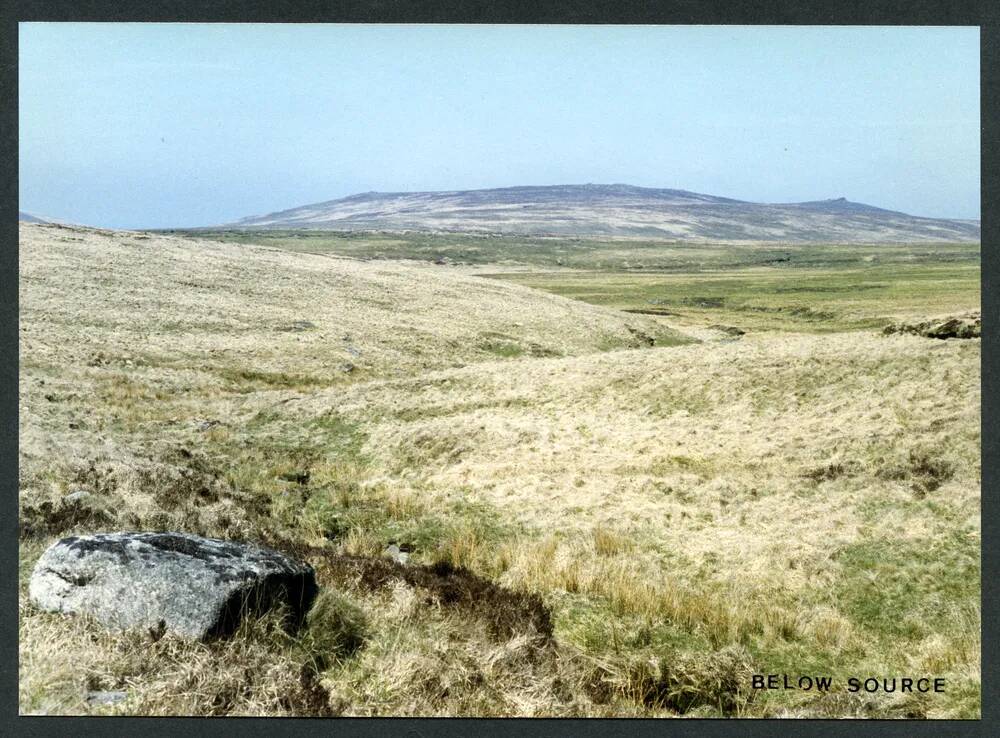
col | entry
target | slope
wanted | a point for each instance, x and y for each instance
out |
(212, 306)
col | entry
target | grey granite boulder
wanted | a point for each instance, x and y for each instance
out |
(192, 586)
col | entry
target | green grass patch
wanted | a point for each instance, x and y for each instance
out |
(816, 299)
(909, 589)
(790, 287)
(629, 255)
(599, 629)
(505, 349)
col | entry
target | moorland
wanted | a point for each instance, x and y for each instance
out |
(628, 473)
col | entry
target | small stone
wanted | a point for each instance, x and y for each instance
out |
(76, 496)
(105, 698)
(299, 477)
(394, 552)
(298, 326)
(347, 367)
(729, 329)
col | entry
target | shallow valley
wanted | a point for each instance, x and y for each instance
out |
(706, 461)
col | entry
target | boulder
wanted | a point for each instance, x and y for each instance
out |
(176, 582)
(955, 328)
(962, 326)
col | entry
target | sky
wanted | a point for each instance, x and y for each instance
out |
(139, 125)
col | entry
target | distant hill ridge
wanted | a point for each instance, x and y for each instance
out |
(616, 210)
(24, 217)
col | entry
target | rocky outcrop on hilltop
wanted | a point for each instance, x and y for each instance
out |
(961, 326)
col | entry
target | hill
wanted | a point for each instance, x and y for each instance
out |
(23, 217)
(616, 210)
(279, 318)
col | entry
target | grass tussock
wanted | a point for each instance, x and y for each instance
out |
(681, 683)
(925, 468)
(261, 670)
(335, 628)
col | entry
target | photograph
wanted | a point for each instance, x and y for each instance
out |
(498, 370)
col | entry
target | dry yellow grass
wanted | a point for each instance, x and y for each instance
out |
(130, 299)
(710, 448)
(777, 495)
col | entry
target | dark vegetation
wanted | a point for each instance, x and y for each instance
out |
(506, 612)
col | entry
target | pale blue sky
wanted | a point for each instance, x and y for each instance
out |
(170, 125)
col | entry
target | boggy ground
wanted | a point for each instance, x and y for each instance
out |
(603, 516)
